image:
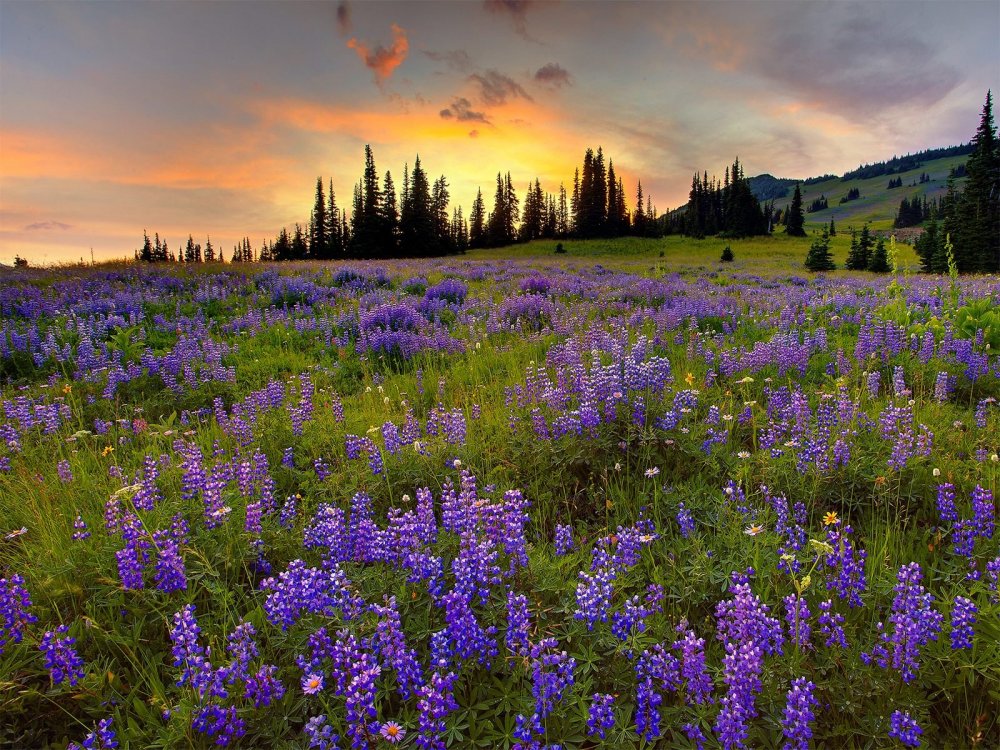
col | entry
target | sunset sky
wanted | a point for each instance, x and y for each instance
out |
(215, 118)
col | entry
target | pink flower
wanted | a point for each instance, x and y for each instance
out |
(312, 683)
(392, 732)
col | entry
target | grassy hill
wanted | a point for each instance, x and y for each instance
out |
(878, 204)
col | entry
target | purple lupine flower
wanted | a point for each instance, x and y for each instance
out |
(656, 671)
(320, 734)
(14, 615)
(983, 512)
(301, 590)
(64, 471)
(946, 503)
(168, 573)
(288, 458)
(799, 715)
(80, 529)
(360, 699)
(518, 624)
(963, 617)
(685, 521)
(904, 728)
(831, 625)
(224, 724)
(694, 734)
(61, 658)
(395, 654)
(601, 716)
(551, 675)
(243, 648)
(102, 738)
(848, 565)
(797, 617)
(435, 703)
(263, 688)
(915, 623)
(699, 684)
(563, 539)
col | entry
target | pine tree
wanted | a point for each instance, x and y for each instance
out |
(334, 238)
(319, 230)
(477, 222)
(974, 225)
(879, 261)
(562, 214)
(389, 218)
(299, 247)
(146, 254)
(795, 220)
(833, 228)
(819, 257)
(639, 218)
(417, 237)
(439, 213)
(209, 251)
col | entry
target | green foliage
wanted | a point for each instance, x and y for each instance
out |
(819, 257)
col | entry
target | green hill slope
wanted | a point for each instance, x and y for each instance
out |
(877, 204)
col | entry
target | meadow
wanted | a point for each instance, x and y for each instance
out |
(622, 496)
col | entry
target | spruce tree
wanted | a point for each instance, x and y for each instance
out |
(819, 257)
(975, 223)
(477, 222)
(146, 254)
(319, 230)
(833, 228)
(795, 219)
(879, 261)
(416, 225)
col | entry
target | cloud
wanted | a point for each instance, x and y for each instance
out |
(553, 74)
(46, 225)
(383, 61)
(473, 134)
(516, 10)
(456, 59)
(495, 88)
(461, 110)
(344, 17)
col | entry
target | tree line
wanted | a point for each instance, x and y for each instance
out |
(419, 222)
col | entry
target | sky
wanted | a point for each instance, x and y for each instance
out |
(216, 118)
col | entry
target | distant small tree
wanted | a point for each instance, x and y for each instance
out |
(860, 255)
(560, 249)
(20, 262)
(833, 228)
(727, 255)
(819, 257)
(795, 219)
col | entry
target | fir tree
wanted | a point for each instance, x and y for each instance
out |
(146, 254)
(879, 261)
(477, 222)
(794, 221)
(974, 224)
(209, 251)
(819, 257)
(416, 224)
(833, 229)
(319, 230)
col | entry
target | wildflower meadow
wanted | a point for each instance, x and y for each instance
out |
(543, 501)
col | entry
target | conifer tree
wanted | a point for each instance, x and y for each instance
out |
(319, 230)
(879, 261)
(833, 228)
(795, 219)
(477, 222)
(417, 224)
(819, 257)
(639, 218)
(146, 254)
(389, 218)
(974, 223)
(209, 251)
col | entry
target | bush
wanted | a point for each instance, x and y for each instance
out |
(727, 255)
(560, 249)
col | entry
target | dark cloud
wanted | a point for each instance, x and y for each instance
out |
(516, 10)
(381, 60)
(473, 134)
(456, 59)
(41, 226)
(553, 74)
(845, 59)
(461, 110)
(344, 17)
(495, 88)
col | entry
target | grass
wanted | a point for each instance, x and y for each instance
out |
(705, 318)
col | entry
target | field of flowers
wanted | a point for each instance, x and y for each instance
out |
(528, 502)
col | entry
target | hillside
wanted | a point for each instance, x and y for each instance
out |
(877, 203)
